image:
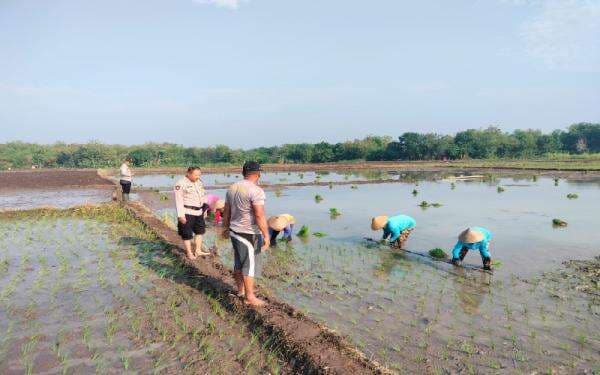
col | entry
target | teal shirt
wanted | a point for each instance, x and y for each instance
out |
(396, 225)
(482, 245)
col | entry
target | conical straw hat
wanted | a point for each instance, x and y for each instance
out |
(470, 236)
(277, 223)
(379, 222)
(220, 204)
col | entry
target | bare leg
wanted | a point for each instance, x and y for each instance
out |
(250, 297)
(187, 245)
(239, 282)
(198, 246)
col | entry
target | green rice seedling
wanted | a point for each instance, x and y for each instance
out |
(319, 234)
(163, 197)
(572, 196)
(452, 186)
(424, 204)
(353, 187)
(436, 205)
(500, 189)
(301, 175)
(318, 198)
(333, 212)
(438, 253)
(330, 185)
(559, 223)
(556, 181)
(415, 192)
(278, 193)
(496, 263)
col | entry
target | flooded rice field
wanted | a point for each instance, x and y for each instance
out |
(166, 181)
(25, 199)
(406, 310)
(91, 291)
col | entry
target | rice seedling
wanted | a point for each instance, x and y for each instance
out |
(452, 185)
(438, 253)
(559, 223)
(500, 189)
(333, 212)
(415, 192)
(330, 185)
(556, 181)
(318, 198)
(163, 197)
(424, 204)
(572, 196)
(319, 234)
(353, 187)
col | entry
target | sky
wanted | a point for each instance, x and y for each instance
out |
(249, 73)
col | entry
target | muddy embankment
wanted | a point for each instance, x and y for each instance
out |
(308, 346)
(52, 179)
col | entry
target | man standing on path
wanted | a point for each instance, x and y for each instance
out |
(245, 223)
(190, 203)
(126, 179)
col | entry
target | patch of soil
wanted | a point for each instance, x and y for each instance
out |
(52, 179)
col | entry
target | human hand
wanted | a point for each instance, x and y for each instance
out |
(266, 244)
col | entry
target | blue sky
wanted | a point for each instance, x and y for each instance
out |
(261, 72)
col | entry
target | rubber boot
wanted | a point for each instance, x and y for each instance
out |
(487, 264)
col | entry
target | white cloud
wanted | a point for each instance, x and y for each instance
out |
(565, 34)
(230, 4)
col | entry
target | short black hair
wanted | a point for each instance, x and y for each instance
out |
(191, 169)
(251, 167)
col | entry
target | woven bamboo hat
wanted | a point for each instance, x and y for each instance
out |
(220, 204)
(378, 222)
(277, 223)
(470, 236)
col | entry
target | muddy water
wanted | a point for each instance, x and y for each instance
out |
(63, 198)
(83, 295)
(165, 181)
(403, 309)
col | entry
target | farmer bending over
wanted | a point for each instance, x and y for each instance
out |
(190, 204)
(216, 206)
(474, 238)
(277, 224)
(245, 223)
(397, 228)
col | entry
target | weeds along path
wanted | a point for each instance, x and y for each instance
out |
(92, 290)
(308, 346)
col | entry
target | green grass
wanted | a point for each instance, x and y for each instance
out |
(303, 232)
(438, 253)
(559, 222)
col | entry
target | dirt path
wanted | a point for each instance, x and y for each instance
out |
(311, 346)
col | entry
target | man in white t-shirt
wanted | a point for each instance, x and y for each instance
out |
(245, 223)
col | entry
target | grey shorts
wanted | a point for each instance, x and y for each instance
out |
(246, 253)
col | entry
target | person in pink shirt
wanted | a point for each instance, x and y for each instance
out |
(216, 206)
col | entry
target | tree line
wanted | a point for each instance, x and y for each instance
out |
(484, 143)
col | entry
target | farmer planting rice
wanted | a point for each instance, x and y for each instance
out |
(397, 228)
(474, 238)
(126, 179)
(246, 224)
(191, 205)
(277, 224)
(216, 206)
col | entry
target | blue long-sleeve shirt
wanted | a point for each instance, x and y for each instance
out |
(396, 225)
(482, 246)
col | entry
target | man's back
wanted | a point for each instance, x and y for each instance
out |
(241, 196)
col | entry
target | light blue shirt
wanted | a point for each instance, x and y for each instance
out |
(482, 246)
(396, 225)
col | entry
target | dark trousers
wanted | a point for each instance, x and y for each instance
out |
(126, 186)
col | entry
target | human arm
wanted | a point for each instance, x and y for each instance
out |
(456, 251)
(261, 222)
(484, 248)
(178, 192)
(395, 233)
(226, 219)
